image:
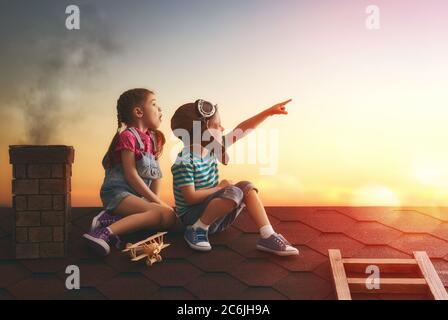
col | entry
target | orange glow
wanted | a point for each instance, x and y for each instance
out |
(367, 124)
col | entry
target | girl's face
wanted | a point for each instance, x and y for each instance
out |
(151, 114)
(215, 127)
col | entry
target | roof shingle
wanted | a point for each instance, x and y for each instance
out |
(234, 269)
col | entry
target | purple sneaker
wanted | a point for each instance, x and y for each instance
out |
(103, 220)
(99, 240)
(278, 245)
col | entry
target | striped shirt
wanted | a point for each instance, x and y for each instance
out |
(192, 169)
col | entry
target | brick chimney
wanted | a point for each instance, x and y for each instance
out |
(41, 189)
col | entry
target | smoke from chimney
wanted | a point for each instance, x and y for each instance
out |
(56, 70)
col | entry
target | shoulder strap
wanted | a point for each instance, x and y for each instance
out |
(139, 139)
(154, 142)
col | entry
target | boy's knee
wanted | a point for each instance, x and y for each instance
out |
(246, 187)
(233, 194)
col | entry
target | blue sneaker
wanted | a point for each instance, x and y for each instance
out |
(278, 245)
(197, 239)
(99, 240)
(103, 220)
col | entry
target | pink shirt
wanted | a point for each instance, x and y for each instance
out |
(127, 141)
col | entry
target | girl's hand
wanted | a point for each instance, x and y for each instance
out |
(166, 205)
(279, 108)
(169, 207)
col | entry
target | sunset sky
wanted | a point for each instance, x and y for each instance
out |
(368, 121)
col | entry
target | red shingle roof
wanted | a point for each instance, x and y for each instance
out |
(234, 269)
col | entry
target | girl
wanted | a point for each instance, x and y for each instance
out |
(130, 191)
(203, 204)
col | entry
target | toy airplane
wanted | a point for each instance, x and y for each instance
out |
(149, 248)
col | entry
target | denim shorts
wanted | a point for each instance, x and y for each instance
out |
(235, 193)
(115, 189)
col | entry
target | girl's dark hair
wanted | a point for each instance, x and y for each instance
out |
(125, 105)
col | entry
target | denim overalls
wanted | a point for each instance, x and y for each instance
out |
(115, 187)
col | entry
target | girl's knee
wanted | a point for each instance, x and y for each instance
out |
(168, 219)
(154, 218)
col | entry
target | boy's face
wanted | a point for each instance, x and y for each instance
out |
(215, 127)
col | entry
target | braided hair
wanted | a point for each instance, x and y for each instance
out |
(126, 103)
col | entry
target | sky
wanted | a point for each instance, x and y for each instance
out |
(367, 124)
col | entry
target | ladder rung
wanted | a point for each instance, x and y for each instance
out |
(390, 285)
(385, 265)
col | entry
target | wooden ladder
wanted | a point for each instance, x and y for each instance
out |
(420, 265)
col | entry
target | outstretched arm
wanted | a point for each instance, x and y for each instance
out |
(245, 127)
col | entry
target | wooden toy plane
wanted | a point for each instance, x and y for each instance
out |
(149, 248)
